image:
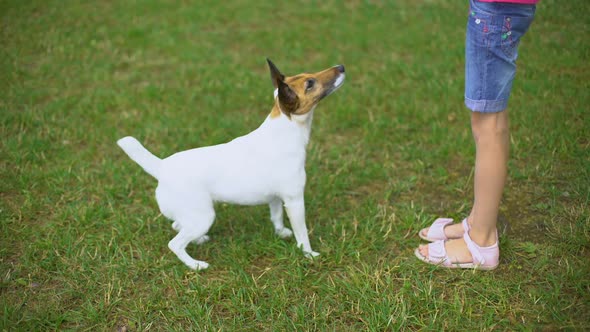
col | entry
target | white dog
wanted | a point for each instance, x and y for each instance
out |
(266, 166)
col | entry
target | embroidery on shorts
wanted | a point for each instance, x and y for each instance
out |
(509, 41)
(507, 30)
(479, 21)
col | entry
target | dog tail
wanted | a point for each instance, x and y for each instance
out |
(140, 155)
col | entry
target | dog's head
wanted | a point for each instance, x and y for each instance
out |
(299, 94)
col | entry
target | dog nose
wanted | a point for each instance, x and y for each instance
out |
(340, 68)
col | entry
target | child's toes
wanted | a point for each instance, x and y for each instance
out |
(423, 250)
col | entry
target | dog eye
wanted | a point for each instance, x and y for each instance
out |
(309, 84)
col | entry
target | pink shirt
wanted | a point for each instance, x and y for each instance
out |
(524, 2)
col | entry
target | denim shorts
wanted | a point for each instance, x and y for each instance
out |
(491, 48)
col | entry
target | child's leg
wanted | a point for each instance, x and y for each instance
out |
(493, 34)
(492, 143)
(490, 132)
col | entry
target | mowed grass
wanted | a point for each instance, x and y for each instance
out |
(83, 246)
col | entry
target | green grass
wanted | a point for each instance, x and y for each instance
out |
(83, 246)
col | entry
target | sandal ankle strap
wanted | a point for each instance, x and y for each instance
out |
(481, 254)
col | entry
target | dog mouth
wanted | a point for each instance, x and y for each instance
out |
(339, 80)
(335, 84)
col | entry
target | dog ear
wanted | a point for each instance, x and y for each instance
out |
(275, 74)
(288, 99)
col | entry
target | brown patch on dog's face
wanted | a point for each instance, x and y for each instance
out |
(300, 93)
(311, 88)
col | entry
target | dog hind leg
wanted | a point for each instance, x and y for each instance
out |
(201, 240)
(194, 228)
(176, 226)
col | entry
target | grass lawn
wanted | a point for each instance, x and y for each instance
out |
(82, 243)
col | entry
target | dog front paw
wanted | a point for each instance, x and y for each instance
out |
(284, 233)
(311, 254)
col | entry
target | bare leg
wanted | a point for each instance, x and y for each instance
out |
(492, 140)
(491, 135)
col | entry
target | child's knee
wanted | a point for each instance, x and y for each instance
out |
(489, 125)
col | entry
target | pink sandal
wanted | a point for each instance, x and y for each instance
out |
(436, 231)
(484, 258)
